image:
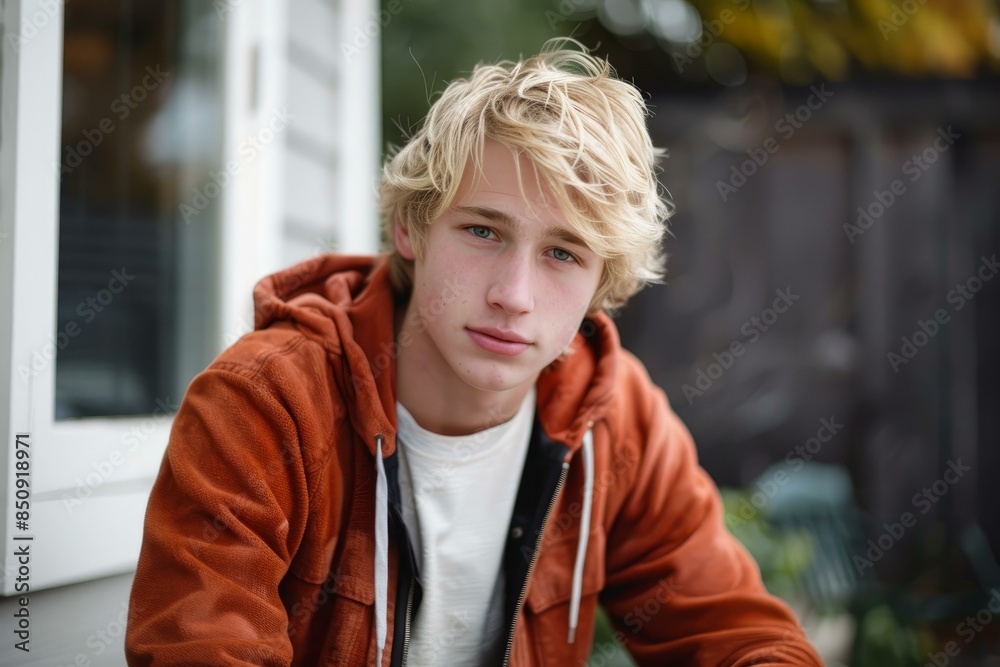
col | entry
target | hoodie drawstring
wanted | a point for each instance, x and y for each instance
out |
(381, 552)
(382, 543)
(581, 547)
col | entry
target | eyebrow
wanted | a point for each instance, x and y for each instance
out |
(505, 219)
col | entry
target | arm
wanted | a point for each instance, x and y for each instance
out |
(681, 589)
(224, 518)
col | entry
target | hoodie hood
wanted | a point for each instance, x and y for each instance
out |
(330, 300)
(346, 304)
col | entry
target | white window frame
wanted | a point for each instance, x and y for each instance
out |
(100, 535)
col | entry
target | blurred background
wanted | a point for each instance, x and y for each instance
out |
(828, 330)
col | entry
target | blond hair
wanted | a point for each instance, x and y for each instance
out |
(583, 128)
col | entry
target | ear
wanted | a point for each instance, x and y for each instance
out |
(402, 239)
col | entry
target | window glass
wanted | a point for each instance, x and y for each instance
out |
(138, 212)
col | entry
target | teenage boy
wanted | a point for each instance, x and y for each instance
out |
(442, 456)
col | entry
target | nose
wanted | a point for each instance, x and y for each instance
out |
(513, 284)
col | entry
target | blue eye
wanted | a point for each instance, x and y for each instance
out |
(562, 255)
(486, 231)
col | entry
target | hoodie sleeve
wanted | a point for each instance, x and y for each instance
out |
(223, 519)
(680, 589)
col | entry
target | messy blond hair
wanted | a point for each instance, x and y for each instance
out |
(585, 131)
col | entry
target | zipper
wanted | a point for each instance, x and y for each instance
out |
(531, 565)
(406, 627)
(405, 545)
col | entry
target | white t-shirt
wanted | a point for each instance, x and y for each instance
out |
(458, 495)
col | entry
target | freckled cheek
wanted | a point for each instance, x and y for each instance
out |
(567, 298)
(563, 316)
(454, 262)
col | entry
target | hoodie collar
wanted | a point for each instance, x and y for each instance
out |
(346, 304)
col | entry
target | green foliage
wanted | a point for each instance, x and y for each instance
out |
(783, 556)
(885, 640)
(606, 650)
(430, 42)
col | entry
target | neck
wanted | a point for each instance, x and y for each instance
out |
(438, 400)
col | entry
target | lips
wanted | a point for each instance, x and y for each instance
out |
(499, 342)
(509, 336)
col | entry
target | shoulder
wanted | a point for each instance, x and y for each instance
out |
(636, 397)
(280, 380)
(273, 355)
(642, 422)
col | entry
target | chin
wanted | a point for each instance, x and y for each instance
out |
(490, 378)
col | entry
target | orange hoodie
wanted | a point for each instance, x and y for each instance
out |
(272, 534)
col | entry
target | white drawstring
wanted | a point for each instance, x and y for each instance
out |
(382, 544)
(581, 546)
(381, 552)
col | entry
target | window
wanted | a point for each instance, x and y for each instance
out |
(133, 228)
(141, 134)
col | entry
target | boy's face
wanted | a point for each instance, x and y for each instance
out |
(519, 272)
